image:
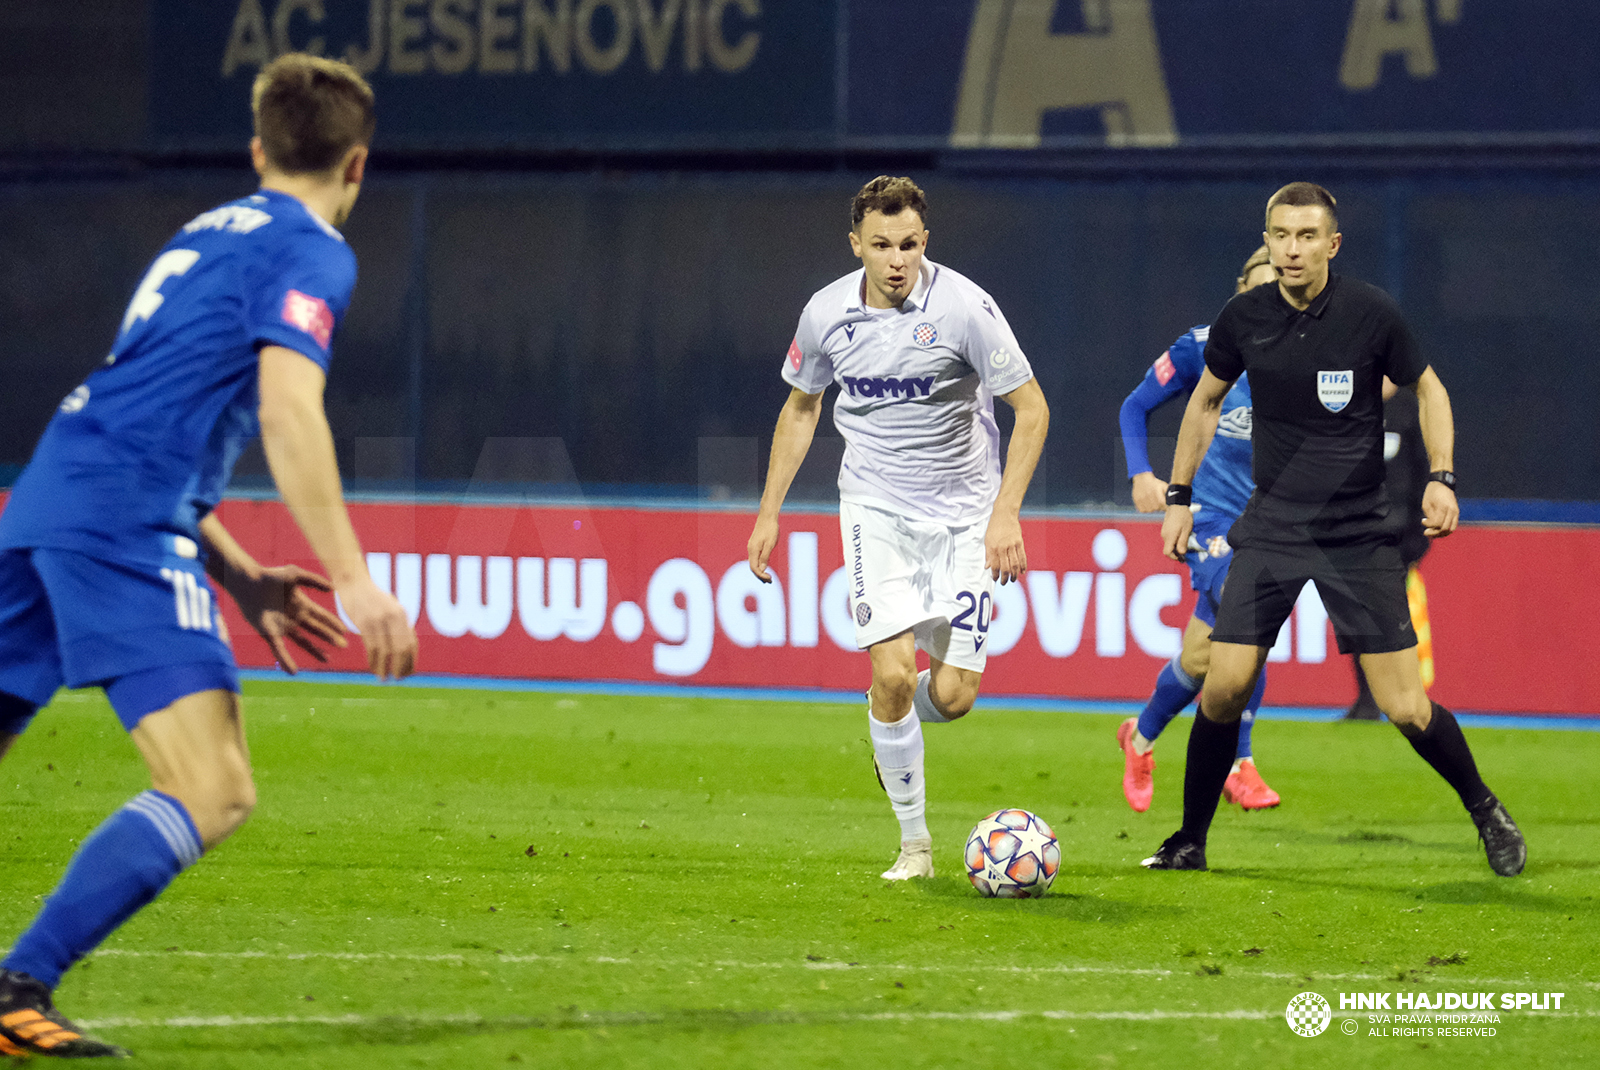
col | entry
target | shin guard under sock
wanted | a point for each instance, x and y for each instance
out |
(1247, 722)
(1443, 746)
(898, 748)
(922, 701)
(124, 864)
(1211, 750)
(1175, 689)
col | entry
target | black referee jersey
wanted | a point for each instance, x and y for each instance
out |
(1316, 379)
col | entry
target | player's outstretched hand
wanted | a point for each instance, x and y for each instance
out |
(1149, 493)
(1176, 527)
(279, 609)
(762, 542)
(1440, 510)
(1003, 552)
(381, 620)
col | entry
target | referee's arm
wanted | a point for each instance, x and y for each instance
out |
(1440, 511)
(1194, 438)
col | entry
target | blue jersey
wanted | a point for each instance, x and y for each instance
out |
(1223, 484)
(138, 454)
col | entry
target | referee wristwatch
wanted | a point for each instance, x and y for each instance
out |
(1445, 476)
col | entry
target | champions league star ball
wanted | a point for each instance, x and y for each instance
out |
(1012, 854)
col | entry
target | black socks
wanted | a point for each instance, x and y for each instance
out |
(1212, 748)
(1443, 746)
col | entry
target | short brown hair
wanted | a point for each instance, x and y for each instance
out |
(1262, 257)
(888, 195)
(310, 111)
(1305, 195)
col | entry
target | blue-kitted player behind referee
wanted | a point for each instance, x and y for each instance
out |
(107, 535)
(1222, 487)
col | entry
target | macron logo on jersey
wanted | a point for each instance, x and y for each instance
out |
(309, 314)
(1165, 369)
(794, 354)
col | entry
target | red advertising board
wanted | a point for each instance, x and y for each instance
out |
(603, 593)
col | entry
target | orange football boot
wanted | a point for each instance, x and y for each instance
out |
(1137, 769)
(1248, 789)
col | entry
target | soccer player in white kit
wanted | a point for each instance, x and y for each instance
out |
(929, 523)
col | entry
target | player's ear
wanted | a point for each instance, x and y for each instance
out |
(354, 168)
(855, 244)
(1334, 243)
(258, 157)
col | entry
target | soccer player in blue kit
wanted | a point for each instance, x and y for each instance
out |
(104, 540)
(1222, 487)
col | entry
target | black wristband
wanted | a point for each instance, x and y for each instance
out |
(1446, 477)
(1179, 494)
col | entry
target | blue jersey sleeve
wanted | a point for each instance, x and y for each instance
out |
(1175, 372)
(300, 304)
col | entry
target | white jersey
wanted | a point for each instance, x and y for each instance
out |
(916, 392)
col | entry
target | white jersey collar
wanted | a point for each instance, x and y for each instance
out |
(917, 298)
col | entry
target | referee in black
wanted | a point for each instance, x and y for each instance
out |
(1317, 347)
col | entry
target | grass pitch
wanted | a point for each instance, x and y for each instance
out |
(476, 879)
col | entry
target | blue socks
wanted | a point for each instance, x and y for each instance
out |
(123, 865)
(1248, 721)
(1175, 689)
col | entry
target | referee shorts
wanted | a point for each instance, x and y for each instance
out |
(1362, 584)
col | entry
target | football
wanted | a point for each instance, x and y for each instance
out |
(1012, 854)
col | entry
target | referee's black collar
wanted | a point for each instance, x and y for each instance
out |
(1318, 305)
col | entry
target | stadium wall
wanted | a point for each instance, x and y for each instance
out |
(626, 331)
(663, 594)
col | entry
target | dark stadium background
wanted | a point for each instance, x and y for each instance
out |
(535, 264)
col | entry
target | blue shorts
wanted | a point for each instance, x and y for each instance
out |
(148, 635)
(1208, 566)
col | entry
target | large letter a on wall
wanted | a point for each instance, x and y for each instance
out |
(1016, 70)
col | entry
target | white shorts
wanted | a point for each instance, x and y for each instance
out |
(919, 576)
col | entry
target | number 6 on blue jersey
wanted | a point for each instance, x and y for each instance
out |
(147, 298)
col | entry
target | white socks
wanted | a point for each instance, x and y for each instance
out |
(898, 747)
(923, 702)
